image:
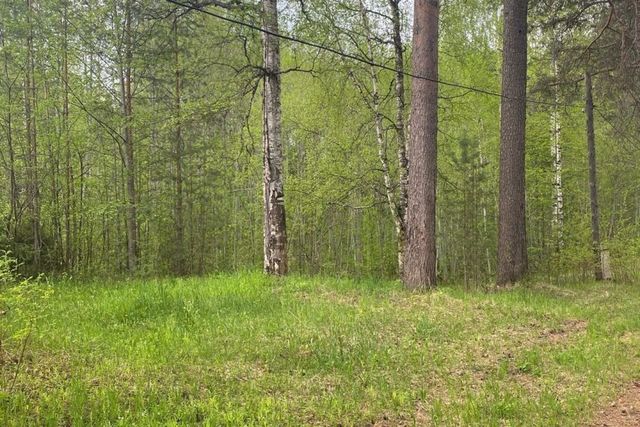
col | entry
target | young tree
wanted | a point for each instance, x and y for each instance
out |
(179, 259)
(396, 193)
(275, 231)
(512, 241)
(401, 211)
(593, 183)
(126, 69)
(557, 219)
(33, 183)
(69, 209)
(420, 262)
(14, 194)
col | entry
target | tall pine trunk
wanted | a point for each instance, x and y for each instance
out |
(275, 232)
(512, 241)
(420, 257)
(593, 183)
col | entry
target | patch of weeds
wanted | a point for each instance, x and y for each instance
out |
(21, 302)
(530, 363)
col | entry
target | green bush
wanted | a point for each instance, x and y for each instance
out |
(21, 302)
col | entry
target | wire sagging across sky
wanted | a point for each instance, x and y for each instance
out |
(355, 57)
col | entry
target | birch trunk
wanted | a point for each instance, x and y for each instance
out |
(394, 201)
(401, 137)
(275, 232)
(556, 152)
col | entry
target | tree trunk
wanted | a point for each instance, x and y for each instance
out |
(14, 209)
(69, 209)
(33, 192)
(275, 232)
(420, 261)
(394, 201)
(512, 242)
(179, 152)
(400, 132)
(593, 184)
(55, 251)
(127, 101)
(556, 152)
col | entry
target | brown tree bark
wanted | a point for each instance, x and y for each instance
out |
(593, 183)
(420, 257)
(512, 241)
(275, 232)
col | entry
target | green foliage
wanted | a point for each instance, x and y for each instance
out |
(8, 269)
(21, 299)
(337, 214)
(21, 309)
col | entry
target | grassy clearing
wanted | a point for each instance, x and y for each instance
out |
(248, 350)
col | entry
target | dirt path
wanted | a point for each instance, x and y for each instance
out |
(623, 412)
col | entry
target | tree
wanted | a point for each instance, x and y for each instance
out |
(401, 211)
(396, 193)
(275, 231)
(14, 205)
(512, 241)
(420, 264)
(69, 209)
(557, 219)
(126, 69)
(593, 183)
(33, 183)
(191, 120)
(179, 260)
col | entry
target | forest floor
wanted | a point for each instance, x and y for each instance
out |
(248, 350)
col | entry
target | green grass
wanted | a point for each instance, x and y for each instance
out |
(249, 350)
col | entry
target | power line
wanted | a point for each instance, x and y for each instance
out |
(355, 57)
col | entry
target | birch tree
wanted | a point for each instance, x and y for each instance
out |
(275, 231)
(396, 192)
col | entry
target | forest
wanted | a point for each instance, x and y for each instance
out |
(320, 212)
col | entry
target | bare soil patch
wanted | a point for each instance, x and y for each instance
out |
(622, 412)
(564, 331)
